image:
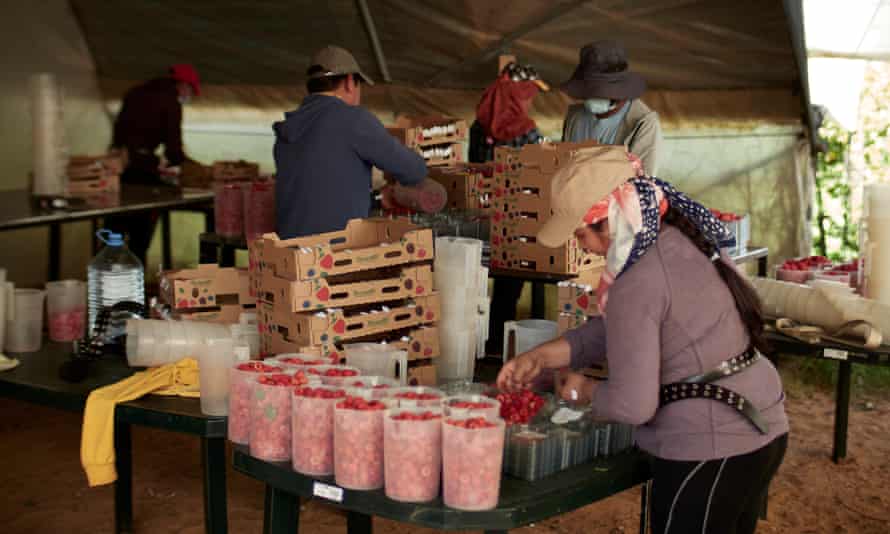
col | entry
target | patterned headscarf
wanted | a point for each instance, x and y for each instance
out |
(634, 211)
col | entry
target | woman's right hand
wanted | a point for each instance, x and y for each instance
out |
(518, 373)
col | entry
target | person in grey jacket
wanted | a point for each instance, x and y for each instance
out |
(610, 111)
(683, 335)
(325, 149)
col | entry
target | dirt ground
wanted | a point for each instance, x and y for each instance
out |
(44, 489)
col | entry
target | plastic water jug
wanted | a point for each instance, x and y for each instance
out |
(528, 334)
(115, 275)
(376, 359)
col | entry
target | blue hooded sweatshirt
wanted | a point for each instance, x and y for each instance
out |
(324, 151)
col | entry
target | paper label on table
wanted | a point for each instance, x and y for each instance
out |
(836, 354)
(325, 491)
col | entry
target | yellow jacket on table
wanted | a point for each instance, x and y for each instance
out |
(97, 439)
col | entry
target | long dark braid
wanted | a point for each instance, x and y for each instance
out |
(747, 302)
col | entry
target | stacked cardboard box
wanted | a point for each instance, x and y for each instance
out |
(576, 299)
(522, 204)
(438, 139)
(208, 293)
(95, 174)
(371, 281)
(226, 171)
(469, 186)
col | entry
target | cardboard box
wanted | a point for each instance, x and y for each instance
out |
(364, 244)
(410, 131)
(234, 170)
(464, 184)
(228, 314)
(567, 259)
(422, 375)
(104, 184)
(566, 322)
(207, 286)
(337, 325)
(421, 343)
(82, 167)
(576, 300)
(456, 156)
(320, 293)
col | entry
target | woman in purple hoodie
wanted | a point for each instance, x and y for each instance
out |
(682, 332)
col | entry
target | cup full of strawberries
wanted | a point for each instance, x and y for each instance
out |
(358, 442)
(270, 414)
(240, 377)
(472, 457)
(412, 450)
(312, 427)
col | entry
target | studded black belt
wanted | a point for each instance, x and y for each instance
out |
(701, 387)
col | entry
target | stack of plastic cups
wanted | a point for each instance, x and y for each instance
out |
(876, 243)
(458, 269)
(151, 343)
(6, 291)
(66, 307)
(24, 320)
(214, 361)
(412, 452)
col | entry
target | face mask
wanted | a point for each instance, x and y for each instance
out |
(185, 100)
(597, 106)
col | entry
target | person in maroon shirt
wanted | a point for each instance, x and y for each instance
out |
(151, 116)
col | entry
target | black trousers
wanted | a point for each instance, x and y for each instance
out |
(503, 308)
(138, 228)
(721, 496)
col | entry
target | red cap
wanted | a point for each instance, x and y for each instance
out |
(186, 73)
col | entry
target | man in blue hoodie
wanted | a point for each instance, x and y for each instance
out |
(325, 149)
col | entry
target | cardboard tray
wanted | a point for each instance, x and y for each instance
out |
(566, 322)
(309, 295)
(364, 244)
(423, 374)
(207, 286)
(464, 184)
(420, 343)
(90, 167)
(337, 325)
(409, 131)
(234, 170)
(568, 259)
(228, 314)
(457, 156)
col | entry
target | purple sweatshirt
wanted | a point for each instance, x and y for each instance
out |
(671, 316)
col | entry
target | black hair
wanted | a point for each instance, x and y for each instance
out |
(747, 302)
(325, 83)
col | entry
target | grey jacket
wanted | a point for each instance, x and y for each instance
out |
(640, 132)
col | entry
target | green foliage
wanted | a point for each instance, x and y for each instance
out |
(835, 233)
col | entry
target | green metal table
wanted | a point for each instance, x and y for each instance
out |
(521, 502)
(845, 356)
(37, 380)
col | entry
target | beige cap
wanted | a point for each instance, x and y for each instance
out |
(589, 177)
(337, 61)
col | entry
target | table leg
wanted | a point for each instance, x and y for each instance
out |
(208, 252)
(55, 251)
(358, 523)
(762, 266)
(166, 244)
(227, 256)
(842, 411)
(213, 457)
(281, 512)
(539, 307)
(644, 507)
(123, 486)
(94, 243)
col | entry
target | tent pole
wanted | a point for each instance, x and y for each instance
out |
(375, 40)
(496, 48)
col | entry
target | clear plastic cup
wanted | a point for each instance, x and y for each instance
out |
(66, 306)
(24, 327)
(412, 454)
(240, 378)
(358, 447)
(471, 464)
(215, 359)
(312, 427)
(474, 405)
(270, 414)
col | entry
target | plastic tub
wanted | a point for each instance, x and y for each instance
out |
(270, 415)
(216, 357)
(66, 307)
(358, 444)
(24, 327)
(417, 397)
(333, 375)
(380, 387)
(240, 377)
(474, 405)
(412, 450)
(228, 208)
(471, 463)
(312, 426)
(294, 359)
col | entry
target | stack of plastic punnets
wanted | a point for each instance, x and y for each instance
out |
(465, 306)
